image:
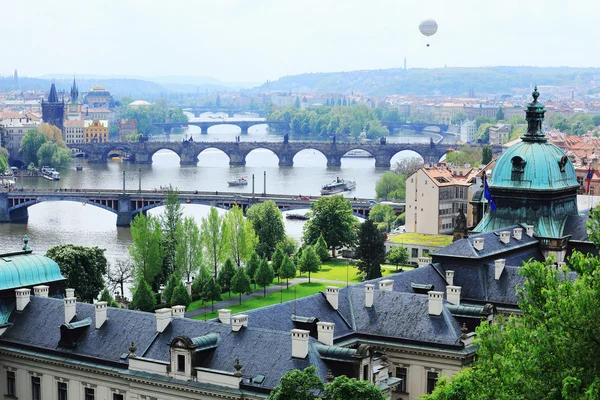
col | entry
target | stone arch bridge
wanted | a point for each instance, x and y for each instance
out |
(127, 204)
(188, 151)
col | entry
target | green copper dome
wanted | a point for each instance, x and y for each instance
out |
(533, 164)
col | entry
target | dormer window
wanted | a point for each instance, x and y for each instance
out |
(180, 363)
(518, 167)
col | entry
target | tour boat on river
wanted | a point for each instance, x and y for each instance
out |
(50, 173)
(358, 153)
(241, 181)
(338, 186)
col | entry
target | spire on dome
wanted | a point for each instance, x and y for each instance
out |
(74, 92)
(535, 118)
(53, 97)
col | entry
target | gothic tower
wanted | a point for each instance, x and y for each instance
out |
(53, 110)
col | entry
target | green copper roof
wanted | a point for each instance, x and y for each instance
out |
(206, 342)
(335, 353)
(21, 270)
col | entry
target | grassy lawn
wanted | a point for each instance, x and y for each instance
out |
(226, 296)
(418, 238)
(302, 290)
(339, 270)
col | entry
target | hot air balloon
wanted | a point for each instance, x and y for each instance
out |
(428, 27)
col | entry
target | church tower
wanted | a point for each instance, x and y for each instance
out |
(74, 107)
(53, 110)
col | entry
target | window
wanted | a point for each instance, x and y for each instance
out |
(62, 391)
(401, 374)
(425, 252)
(117, 396)
(36, 392)
(366, 372)
(432, 378)
(415, 253)
(89, 394)
(518, 167)
(10, 383)
(180, 363)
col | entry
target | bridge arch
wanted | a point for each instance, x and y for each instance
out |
(163, 151)
(183, 201)
(268, 157)
(210, 157)
(21, 208)
(358, 153)
(211, 127)
(307, 156)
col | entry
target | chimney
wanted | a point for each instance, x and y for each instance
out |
(453, 294)
(163, 319)
(332, 294)
(478, 243)
(225, 316)
(386, 285)
(499, 267)
(424, 261)
(299, 343)
(505, 237)
(325, 332)
(188, 286)
(529, 230)
(237, 321)
(23, 296)
(41, 291)
(100, 308)
(178, 311)
(450, 277)
(435, 302)
(70, 308)
(69, 292)
(518, 233)
(369, 292)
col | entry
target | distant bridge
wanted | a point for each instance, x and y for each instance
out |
(230, 111)
(127, 204)
(188, 151)
(242, 124)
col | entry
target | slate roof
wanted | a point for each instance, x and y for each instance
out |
(576, 227)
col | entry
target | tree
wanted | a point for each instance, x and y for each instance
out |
(486, 154)
(298, 385)
(391, 186)
(465, 154)
(344, 388)
(268, 225)
(120, 274)
(143, 298)
(288, 246)
(105, 296)
(211, 291)
(167, 293)
(181, 296)
(146, 250)
(51, 133)
(500, 114)
(371, 250)
(30, 144)
(252, 266)
(333, 218)
(241, 235)
(549, 351)
(214, 237)
(49, 154)
(408, 166)
(459, 118)
(240, 283)
(309, 261)
(83, 267)
(383, 213)
(287, 270)
(264, 276)
(170, 221)
(321, 249)
(226, 275)
(277, 260)
(3, 161)
(188, 250)
(398, 255)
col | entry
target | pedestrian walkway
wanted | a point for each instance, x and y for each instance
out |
(256, 294)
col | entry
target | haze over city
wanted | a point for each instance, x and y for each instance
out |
(255, 41)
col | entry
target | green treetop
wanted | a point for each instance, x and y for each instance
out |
(371, 250)
(333, 218)
(398, 255)
(211, 291)
(226, 274)
(264, 276)
(214, 235)
(298, 385)
(277, 260)
(188, 251)
(287, 270)
(321, 249)
(143, 298)
(391, 186)
(181, 296)
(240, 283)
(105, 296)
(146, 250)
(167, 293)
(344, 388)
(241, 236)
(252, 266)
(268, 225)
(171, 230)
(309, 261)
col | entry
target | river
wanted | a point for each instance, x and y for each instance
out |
(53, 223)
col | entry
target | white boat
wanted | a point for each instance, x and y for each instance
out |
(50, 173)
(241, 181)
(338, 186)
(358, 153)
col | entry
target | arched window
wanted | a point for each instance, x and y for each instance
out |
(518, 167)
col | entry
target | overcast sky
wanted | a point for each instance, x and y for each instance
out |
(256, 40)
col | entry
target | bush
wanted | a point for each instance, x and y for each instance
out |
(143, 297)
(181, 297)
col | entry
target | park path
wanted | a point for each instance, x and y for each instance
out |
(259, 293)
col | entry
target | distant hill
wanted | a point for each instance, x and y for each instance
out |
(439, 81)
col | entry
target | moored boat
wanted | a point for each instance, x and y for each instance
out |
(241, 181)
(338, 186)
(358, 153)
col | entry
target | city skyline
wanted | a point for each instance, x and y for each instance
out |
(264, 40)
